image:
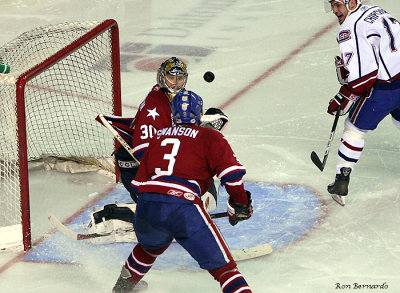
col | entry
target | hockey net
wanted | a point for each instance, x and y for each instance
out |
(62, 76)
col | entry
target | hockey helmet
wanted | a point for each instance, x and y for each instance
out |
(173, 67)
(187, 108)
(328, 4)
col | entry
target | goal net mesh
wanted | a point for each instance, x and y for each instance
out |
(60, 103)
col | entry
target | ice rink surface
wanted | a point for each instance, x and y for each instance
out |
(273, 62)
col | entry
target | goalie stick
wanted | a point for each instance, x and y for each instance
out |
(252, 252)
(314, 157)
(122, 141)
(78, 236)
(239, 254)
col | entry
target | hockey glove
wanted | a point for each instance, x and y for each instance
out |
(214, 118)
(342, 102)
(342, 73)
(238, 212)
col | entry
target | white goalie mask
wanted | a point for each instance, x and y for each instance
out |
(172, 75)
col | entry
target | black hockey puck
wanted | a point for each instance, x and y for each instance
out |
(209, 76)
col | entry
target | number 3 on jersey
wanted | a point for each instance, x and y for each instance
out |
(169, 156)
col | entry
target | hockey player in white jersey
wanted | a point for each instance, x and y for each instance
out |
(369, 73)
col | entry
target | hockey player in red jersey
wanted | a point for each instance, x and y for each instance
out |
(174, 173)
(154, 113)
(369, 73)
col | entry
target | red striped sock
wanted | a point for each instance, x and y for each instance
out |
(140, 261)
(230, 279)
(234, 282)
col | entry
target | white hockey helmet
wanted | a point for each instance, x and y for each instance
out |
(328, 4)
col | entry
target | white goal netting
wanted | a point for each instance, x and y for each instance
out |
(62, 76)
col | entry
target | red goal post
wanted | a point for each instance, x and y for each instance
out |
(62, 76)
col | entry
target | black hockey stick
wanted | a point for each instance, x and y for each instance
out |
(314, 156)
(219, 215)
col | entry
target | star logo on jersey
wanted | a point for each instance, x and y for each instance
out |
(153, 113)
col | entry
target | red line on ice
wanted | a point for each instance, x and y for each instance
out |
(278, 65)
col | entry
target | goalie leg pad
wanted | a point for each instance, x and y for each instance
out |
(113, 219)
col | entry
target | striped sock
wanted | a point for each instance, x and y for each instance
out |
(350, 149)
(140, 261)
(234, 282)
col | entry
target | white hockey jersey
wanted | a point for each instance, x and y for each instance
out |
(369, 41)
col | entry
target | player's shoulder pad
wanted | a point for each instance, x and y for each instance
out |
(153, 98)
(156, 88)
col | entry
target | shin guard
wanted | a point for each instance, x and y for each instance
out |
(352, 145)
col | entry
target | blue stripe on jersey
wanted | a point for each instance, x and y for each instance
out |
(179, 180)
(234, 176)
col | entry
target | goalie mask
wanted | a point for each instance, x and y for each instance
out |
(187, 108)
(172, 75)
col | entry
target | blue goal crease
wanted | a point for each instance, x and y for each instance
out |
(282, 215)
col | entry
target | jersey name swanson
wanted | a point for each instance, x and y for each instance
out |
(177, 131)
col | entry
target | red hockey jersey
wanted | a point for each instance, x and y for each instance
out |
(154, 113)
(181, 161)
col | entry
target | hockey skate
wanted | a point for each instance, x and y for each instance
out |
(339, 188)
(124, 285)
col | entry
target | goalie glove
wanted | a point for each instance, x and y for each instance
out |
(342, 102)
(239, 213)
(214, 118)
(342, 73)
